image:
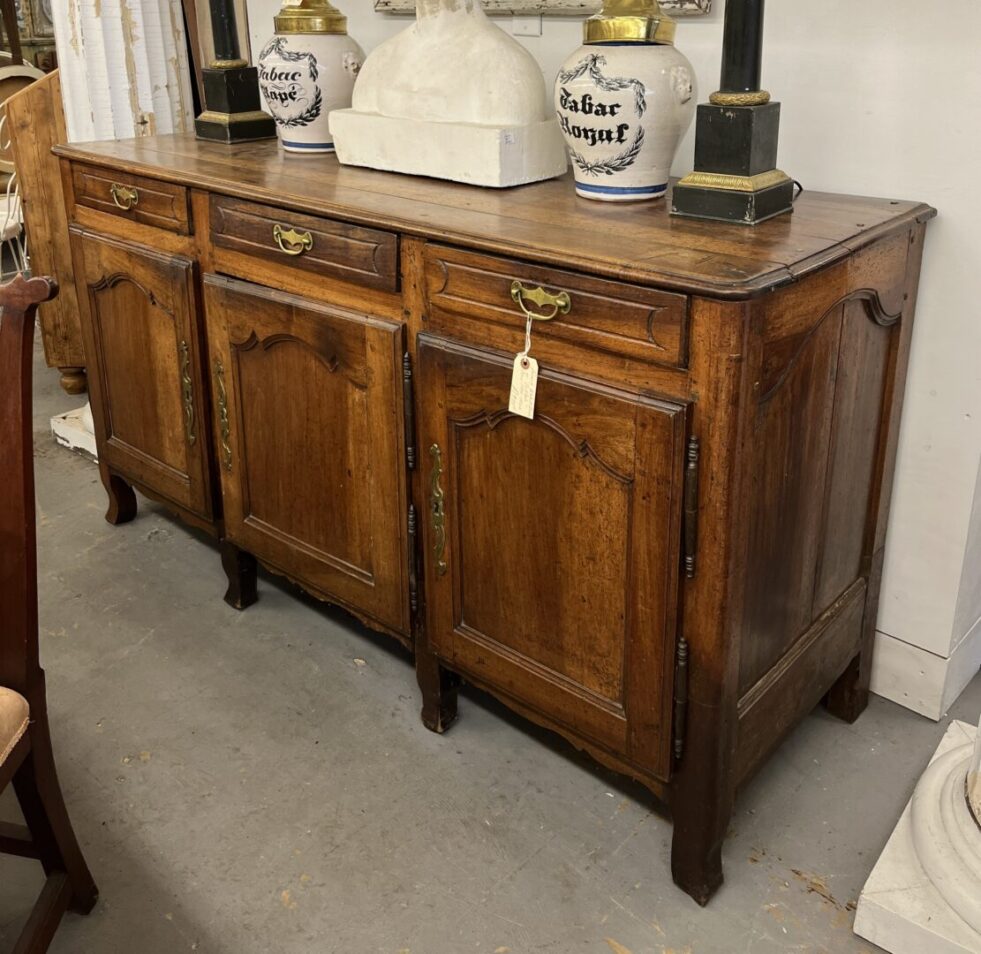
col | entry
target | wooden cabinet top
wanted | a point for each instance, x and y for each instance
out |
(545, 222)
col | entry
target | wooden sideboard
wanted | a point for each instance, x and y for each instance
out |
(670, 565)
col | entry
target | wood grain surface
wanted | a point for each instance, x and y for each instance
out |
(670, 564)
(36, 123)
(545, 222)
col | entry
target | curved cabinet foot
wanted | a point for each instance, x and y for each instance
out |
(241, 569)
(122, 497)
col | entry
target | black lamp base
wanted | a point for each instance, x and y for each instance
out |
(232, 107)
(735, 178)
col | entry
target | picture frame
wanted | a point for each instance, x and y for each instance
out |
(558, 8)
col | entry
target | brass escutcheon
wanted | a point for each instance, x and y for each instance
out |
(292, 242)
(124, 197)
(187, 393)
(437, 510)
(224, 426)
(560, 304)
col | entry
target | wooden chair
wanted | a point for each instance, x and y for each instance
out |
(25, 743)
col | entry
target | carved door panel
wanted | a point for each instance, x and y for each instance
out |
(146, 373)
(308, 415)
(552, 546)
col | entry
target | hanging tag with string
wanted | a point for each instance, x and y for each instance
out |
(524, 379)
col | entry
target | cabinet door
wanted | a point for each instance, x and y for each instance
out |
(553, 544)
(308, 404)
(145, 369)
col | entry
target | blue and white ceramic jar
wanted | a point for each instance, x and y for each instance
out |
(307, 70)
(624, 101)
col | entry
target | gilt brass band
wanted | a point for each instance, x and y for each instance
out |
(310, 16)
(231, 119)
(630, 21)
(760, 98)
(228, 64)
(716, 180)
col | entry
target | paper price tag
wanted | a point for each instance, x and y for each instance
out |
(524, 386)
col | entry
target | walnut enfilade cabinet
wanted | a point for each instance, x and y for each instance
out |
(670, 565)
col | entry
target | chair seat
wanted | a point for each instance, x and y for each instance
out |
(14, 716)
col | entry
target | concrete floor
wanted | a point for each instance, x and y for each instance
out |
(260, 782)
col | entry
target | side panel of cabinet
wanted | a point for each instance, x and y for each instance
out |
(553, 545)
(308, 406)
(142, 340)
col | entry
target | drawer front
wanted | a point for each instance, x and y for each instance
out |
(337, 249)
(148, 201)
(606, 316)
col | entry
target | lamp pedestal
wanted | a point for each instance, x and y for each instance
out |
(233, 110)
(232, 107)
(736, 178)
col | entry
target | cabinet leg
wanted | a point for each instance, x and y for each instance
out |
(439, 691)
(849, 696)
(73, 380)
(696, 847)
(240, 568)
(122, 498)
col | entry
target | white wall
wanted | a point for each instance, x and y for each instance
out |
(879, 98)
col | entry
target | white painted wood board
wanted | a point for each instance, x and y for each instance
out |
(125, 68)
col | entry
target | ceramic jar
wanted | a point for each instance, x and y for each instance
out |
(624, 101)
(306, 70)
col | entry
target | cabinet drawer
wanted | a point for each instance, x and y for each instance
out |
(338, 249)
(606, 316)
(143, 200)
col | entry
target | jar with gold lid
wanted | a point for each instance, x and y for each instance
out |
(624, 100)
(307, 70)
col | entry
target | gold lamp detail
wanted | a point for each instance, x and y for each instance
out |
(630, 21)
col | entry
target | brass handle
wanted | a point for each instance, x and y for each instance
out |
(292, 242)
(224, 428)
(437, 510)
(560, 304)
(124, 197)
(187, 394)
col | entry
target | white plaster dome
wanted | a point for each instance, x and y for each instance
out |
(453, 65)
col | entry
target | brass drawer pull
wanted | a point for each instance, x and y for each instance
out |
(292, 242)
(124, 197)
(224, 428)
(560, 304)
(187, 394)
(437, 510)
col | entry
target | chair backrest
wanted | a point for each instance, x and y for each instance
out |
(19, 664)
